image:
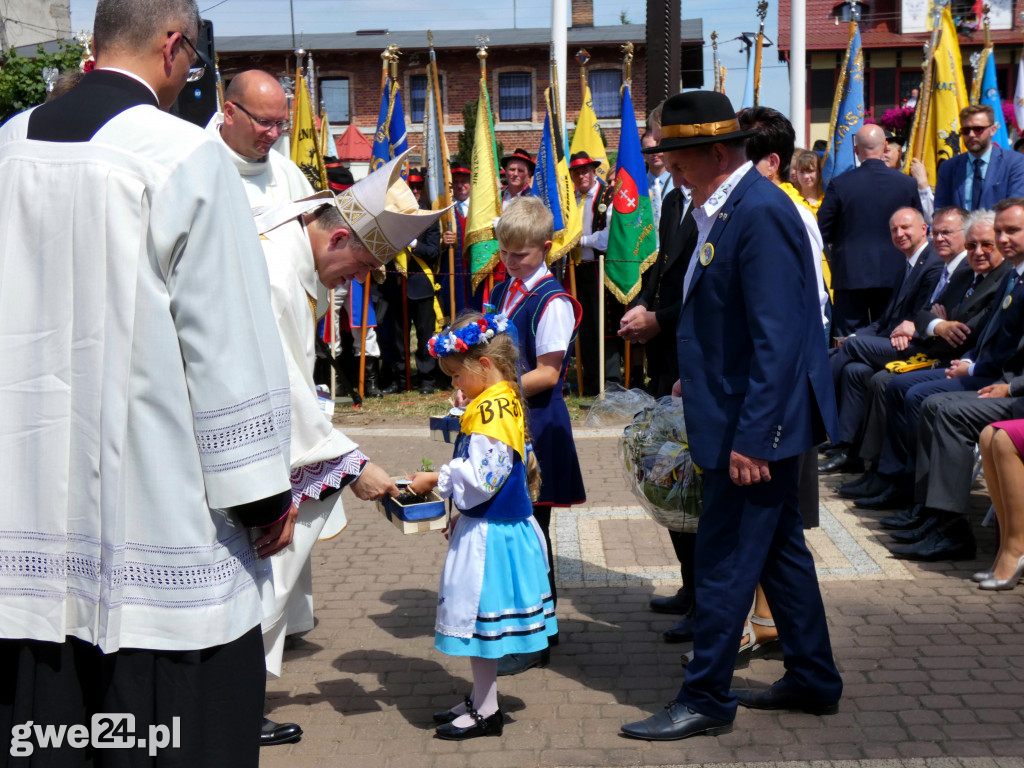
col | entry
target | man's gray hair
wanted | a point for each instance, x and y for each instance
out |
(131, 24)
(981, 216)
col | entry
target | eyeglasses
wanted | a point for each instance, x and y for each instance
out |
(266, 125)
(195, 71)
(975, 128)
(986, 247)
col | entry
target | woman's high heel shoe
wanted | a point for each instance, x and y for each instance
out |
(981, 576)
(1001, 584)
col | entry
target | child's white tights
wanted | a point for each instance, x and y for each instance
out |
(485, 691)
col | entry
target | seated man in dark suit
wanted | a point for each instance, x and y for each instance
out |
(877, 344)
(995, 370)
(944, 332)
(984, 174)
(854, 221)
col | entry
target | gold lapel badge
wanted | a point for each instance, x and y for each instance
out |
(707, 253)
(1007, 301)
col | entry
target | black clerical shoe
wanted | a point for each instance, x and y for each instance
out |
(492, 725)
(914, 535)
(676, 721)
(891, 498)
(909, 518)
(868, 484)
(514, 663)
(781, 696)
(949, 541)
(679, 603)
(272, 734)
(682, 630)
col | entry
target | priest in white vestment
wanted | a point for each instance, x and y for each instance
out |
(144, 415)
(307, 243)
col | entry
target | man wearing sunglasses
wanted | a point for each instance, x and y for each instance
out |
(144, 420)
(984, 174)
(255, 116)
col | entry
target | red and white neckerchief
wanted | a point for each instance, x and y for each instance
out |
(510, 302)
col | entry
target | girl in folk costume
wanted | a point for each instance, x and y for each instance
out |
(494, 597)
(546, 319)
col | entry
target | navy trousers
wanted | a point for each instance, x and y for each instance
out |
(749, 534)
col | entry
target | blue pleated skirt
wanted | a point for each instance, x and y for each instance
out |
(494, 598)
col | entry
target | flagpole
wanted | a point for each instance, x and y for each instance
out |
(407, 340)
(714, 61)
(762, 12)
(582, 57)
(449, 218)
(924, 99)
(627, 78)
(980, 61)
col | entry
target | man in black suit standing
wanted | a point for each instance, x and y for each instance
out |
(652, 322)
(854, 221)
(877, 344)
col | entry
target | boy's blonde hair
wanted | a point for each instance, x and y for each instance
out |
(503, 352)
(526, 221)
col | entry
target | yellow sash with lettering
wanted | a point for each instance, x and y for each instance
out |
(496, 412)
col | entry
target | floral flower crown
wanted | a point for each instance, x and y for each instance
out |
(458, 341)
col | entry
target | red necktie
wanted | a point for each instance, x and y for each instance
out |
(518, 286)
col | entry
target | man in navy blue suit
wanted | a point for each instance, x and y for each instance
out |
(757, 392)
(986, 173)
(854, 222)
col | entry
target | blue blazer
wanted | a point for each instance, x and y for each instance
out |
(1004, 177)
(854, 223)
(753, 365)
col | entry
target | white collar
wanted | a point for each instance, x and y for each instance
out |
(133, 76)
(719, 197)
(955, 262)
(913, 259)
(541, 272)
(245, 166)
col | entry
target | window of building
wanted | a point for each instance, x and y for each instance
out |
(515, 97)
(418, 96)
(334, 92)
(604, 92)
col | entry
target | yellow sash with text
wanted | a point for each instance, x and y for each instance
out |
(496, 412)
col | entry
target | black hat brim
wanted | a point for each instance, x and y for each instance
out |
(667, 145)
(506, 160)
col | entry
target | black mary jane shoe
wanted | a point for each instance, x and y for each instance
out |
(482, 726)
(446, 715)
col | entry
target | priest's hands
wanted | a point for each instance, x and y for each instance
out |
(373, 482)
(278, 535)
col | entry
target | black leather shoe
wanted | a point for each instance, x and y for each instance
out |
(515, 663)
(890, 498)
(909, 518)
(951, 541)
(868, 484)
(841, 461)
(914, 535)
(446, 715)
(676, 721)
(426, 389)
(272, 734)
(681, 631)
(391, 389)
(679, 603)
(779, 696)
(483, 726)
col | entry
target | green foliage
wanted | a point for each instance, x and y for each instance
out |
(21, 78)
(624, 17)
(426, 465)
(468, 133)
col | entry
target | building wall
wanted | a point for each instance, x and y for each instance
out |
(460, 73)
(27, 22)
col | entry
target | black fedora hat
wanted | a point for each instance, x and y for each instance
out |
(582, 160)
(695, 118)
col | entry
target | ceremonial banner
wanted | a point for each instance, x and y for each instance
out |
(432, 153)
(1018, 96)
(989, 94)
(748, 87)
(553, 185)
(391, 138)
(847, 111)
(484, 194)
(941, 126)
(305, 139)
(632, 239)
(587, 137)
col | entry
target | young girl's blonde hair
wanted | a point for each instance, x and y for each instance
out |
(503, 352)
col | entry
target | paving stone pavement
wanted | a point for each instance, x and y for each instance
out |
(933, 667)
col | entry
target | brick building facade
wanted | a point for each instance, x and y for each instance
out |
(892, 35)
(518, 71)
